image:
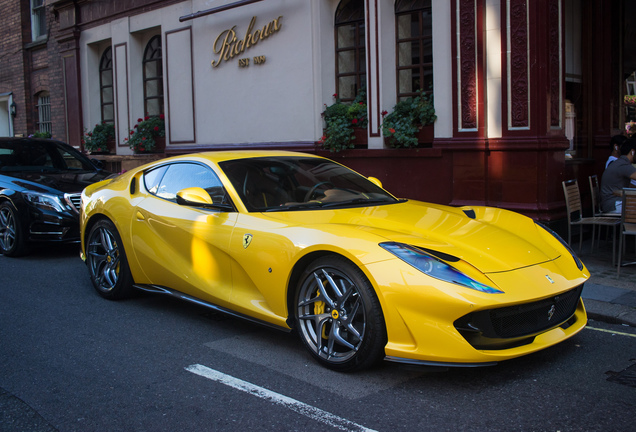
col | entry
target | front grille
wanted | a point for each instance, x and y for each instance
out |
(517, 325)
(74, 200)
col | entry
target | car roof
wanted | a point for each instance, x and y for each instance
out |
(222, 156)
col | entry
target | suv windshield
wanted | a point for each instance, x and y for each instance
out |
(303, 183)
(41, 156)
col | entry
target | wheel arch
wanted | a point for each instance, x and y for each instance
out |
(297, 271)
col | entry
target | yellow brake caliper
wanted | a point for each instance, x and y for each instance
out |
(319, 308)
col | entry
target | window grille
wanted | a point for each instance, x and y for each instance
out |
(44, 113)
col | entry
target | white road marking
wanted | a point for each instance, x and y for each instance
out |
(276, 398)
(611, 331)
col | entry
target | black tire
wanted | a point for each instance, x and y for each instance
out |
(107, 263)
(12, 239)
(338, 315)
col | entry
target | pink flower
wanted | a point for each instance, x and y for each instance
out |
(354, 121)
(156, 128)
(392, 130)
(161, 116)
(384, 113)
(139, 120)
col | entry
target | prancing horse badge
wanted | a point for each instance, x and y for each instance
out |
(247, 239)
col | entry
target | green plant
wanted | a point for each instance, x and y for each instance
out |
(142, 138)
(97, 139)
(340, 119)
(401, 126)
(40, 135)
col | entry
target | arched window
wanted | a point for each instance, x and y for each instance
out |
(153, 77)
(351, 72)
(106, 86)
(414, 27)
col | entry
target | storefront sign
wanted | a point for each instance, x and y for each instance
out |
(227, 46)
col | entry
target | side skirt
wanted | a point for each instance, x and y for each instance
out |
(157, 289)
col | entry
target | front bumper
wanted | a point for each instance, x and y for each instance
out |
(434, 322)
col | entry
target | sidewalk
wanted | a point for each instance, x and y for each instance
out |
(606, 297)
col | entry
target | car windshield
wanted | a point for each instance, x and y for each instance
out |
(41, 156)
(300, 183)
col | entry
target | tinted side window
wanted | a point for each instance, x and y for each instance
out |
(184, 175)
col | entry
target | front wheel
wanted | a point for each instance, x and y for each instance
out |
(338, 315)
(107, 263)
(12, 241)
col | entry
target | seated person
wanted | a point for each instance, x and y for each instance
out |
(617, 176)
(615, 148)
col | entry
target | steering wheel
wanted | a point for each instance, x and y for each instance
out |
(314, 188)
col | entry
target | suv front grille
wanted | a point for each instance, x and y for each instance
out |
(74, 200)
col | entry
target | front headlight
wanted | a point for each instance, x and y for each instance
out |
(45, 201)
(579, 263)
(434, 267)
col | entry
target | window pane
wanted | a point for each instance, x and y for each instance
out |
(347, 87)
(346, 62)
(152, 69)
(408, 80)
(107, 78)
(153, 88)
(346, 36)
(404, 26)
(107, 95)
(108, 113)
(408, 53)
(153, 106)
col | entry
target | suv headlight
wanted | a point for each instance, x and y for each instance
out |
(45, 201)
(434, 267)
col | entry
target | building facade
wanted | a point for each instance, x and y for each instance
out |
(527, 93)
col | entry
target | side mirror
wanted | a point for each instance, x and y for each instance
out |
(194, 196)
(375, 181)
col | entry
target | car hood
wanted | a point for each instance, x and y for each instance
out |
(62, 181)
(490, 239)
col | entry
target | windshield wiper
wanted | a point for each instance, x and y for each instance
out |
(365, 201)
(297, 206)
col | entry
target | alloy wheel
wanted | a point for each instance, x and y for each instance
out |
(331, 315)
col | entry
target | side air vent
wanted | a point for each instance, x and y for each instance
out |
(470, 213)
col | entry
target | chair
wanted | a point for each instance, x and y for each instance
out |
(628, 223)
(595, 192)
(575, 216)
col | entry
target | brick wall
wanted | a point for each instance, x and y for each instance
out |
(12, 72)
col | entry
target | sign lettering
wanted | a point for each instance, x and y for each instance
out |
(227, 45)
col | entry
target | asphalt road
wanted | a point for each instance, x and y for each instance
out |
(72, 361)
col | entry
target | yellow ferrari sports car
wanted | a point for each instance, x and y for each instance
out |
(299, 242)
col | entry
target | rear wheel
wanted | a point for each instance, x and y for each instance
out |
(107, 263)
(12, 241)
(338, 315)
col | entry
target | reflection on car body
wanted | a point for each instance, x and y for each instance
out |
(299, 242)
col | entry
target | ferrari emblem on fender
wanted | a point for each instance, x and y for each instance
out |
(247, 239)
(549, 278)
